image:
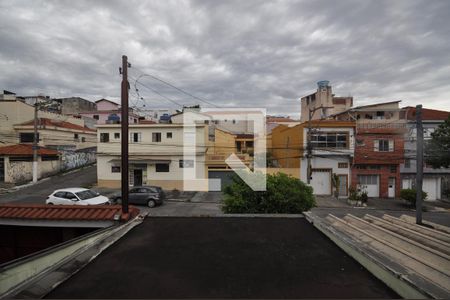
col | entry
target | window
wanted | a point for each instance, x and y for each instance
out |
(162, 167)
(83, 139)
(393, 168)
(329, 140)
(169, 135)
(117, 135)
(49, 157)
(359, 142)
(135, 137)
(206, 121)
(60, 194)
(27, 137)
(407, 163)
(380, 115)
(104, 137)
(234, 121)
(368, 179)
(95, 117)
(115, 169)
(156, 137)
(342, 165)
(249, 144)
(374, 167)
(186, 163)
(19, 158)
(383, 145)
(75, 136)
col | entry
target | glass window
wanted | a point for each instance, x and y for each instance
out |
(169, 135)
(96, 117)
(329, 140)
(60, 194)
(115, 169)
(135, 137)
(27, 137)
(117, 135)
(156, 137)
(407, 163)
(162, 167)
(104, 137)
(88, 194)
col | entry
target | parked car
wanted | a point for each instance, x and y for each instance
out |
(76, 196)
(142, 195)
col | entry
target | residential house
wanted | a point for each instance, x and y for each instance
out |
(332, 145)
(436, 182)
(75, 105)
(323, 103)
(155, 155)
(109, 112)
(379, 148)
(16, 163)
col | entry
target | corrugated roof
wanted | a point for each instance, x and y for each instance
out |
(56, 123)
(25, 149)
(65, 212)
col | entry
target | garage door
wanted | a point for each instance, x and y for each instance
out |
(430, 186)
(224, 176)
(321, 181)
(370, 183)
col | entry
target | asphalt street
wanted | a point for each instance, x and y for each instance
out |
(37, 193)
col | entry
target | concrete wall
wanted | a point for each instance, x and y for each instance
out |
(106, 105)
(76, 159)
(286, 145)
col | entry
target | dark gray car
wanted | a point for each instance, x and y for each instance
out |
(142, 195)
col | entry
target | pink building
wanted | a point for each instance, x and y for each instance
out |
(108, 112)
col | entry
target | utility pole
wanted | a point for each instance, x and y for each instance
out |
(35, 143)
(124, 137)
(308, 141)
(419, 173)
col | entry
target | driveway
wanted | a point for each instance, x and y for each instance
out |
(223, 258)
(37, 193)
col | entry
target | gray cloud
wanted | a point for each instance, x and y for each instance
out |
(232, 53)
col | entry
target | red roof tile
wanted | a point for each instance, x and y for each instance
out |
(43, 122)
(427, 114)
(65, 212)
(25, 149)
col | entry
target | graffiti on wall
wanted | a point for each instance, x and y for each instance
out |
(76, 159)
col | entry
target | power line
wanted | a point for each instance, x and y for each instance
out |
(177, 88)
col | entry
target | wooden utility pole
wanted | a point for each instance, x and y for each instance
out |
(124, 137)
(35, 142)
(419, 171)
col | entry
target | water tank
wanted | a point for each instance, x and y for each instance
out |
(113, 119)
(323, 83)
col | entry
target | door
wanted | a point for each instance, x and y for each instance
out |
(370, 184)
(391, 187)
(343, 185)
(430, 186)
(321, 181)
(137, 174)
(2, 169)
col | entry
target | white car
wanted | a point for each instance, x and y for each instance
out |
(76, 196)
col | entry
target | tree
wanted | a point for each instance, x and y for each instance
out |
(284, 194)
(437, 150)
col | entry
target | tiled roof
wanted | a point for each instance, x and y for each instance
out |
(65, 212)
(103, 99)
(427, 114)
(25, 149)
(62, 124)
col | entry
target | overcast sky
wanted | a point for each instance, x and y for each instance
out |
(230, 53)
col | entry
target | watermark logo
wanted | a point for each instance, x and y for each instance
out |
(240, 135)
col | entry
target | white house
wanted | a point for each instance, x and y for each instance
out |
(156, 155)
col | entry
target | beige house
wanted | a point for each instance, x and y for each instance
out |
(155, 155)
(324, 99)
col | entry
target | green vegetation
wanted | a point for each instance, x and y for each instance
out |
(285, 194)
(410, 196)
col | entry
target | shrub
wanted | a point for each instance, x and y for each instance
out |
(410, 196)
(284, 194)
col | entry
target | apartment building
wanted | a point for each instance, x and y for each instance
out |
(155, 155)
(323, 103)
(436, 182)
(379, 148)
